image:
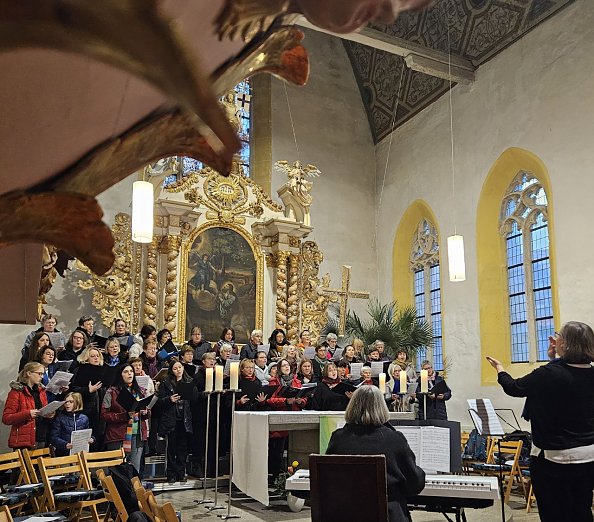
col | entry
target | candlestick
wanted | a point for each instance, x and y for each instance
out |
(402, 381)
(382, 382)
(234, 376)
(424, 381)
(209, 380)
(218, 378)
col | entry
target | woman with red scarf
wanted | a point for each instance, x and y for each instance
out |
(251, 397)
(324, 398)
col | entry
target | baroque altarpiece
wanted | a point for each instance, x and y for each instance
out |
(223, 254)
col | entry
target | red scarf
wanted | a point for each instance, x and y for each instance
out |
(328, 381)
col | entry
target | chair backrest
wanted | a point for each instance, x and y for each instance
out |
(14, 462)
(60, 466)
(331, 476)
(162, 513)
(5, 514)
(100, 460)
(143, 497)
(112, 495)
(30, 457)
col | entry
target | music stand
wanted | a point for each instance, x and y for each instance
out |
(486, 421)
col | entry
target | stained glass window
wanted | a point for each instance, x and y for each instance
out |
(525, 229)
(424, 262)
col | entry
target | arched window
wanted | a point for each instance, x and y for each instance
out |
(524, 226)
(424, 263)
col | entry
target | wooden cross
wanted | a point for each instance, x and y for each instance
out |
(344, 293)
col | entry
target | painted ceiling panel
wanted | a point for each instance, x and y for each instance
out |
(479, 29)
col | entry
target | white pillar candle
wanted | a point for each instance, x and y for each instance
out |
(234, 376)
(402, 381)
(424, 381)
(382, 382)
(218, 378)
(209, 380)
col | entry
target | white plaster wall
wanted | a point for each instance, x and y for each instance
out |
(332, 133)
(537, 95)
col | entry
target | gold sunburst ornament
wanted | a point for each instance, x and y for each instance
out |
(228, 192)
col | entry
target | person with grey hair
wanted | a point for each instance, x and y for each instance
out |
(250, 349)
(367, 432)
(559, 400)
(331, 345)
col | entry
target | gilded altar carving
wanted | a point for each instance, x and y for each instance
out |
(293, 299)
(314, 302)
(48, 277)
(171, 245)
(281, 290)
(151, 285)
(113, 291)
(296, 192)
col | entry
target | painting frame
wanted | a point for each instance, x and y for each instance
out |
(186, 248)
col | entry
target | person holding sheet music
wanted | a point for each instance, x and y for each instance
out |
(319, 360)
(150, 363)
(560, 402)
(147, 332)
(438, 394)
(227, 337)
(348, 355)
(327, 396)
(293, 355)
(304, 341)
(176, 421)
(402, 362)
(197, 344)
(306, 374)
(48, 325)
(40, 340)
(250, 349)
(86, 324)
(343, 370)
(74, 347)
(47, 356)
(276, 342)
(224, 354)
(119, 329)
(367, 432)
(139, 372)
(127, 429)
(92, 392)
(28, 429)
(69, 418)
(251, 397)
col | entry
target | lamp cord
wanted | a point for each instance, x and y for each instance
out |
(451, 116)
(291, 120)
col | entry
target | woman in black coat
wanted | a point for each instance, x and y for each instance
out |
(324, 399)
(367, 432)
(251, 397)
(436, 404)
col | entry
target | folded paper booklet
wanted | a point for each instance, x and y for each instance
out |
(99, 341)
(185, 389)
(90, 373)
(440, 388)
(337, 354)
(50, 408)
(377, 367)
(309, 352)
(343, 387)
(269, 390)
(127, 401)
(306, 391)
(58, 381)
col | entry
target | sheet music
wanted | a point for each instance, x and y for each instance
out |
(50, 408)
(356, 370)
(484, 417)
(309, 352)
(377, 367)
(431, 446)
(143, 381)
(80, 441)
(58, 380)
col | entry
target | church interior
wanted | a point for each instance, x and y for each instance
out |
(329, 178)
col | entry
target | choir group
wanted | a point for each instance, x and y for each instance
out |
(133, 391)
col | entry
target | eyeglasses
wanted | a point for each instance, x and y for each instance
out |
(39, 373)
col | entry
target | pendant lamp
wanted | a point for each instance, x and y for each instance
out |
(142, 211)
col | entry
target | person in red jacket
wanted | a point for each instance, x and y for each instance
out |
(21, 411)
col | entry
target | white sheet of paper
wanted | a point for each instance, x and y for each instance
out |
(484, 417)
(412, 434)
(309, 352)
(143, 381)
(264, 348)
(356, 370)
(435, 449)
(41, 519)
(377, 367)
(337, 354)
(50, 408)
(58, 380)
(80, 441)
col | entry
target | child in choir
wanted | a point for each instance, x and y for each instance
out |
(68, 419)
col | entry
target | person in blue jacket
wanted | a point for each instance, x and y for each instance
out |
(68, 420)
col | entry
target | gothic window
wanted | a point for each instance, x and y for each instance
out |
(424, 263)
(525, 230)
(243, 94)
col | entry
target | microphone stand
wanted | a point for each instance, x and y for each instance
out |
(228, 514)
(204, 500)
(215, 505)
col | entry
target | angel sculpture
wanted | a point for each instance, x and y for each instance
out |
(297, 174)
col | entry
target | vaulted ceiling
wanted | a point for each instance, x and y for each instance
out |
(478, 30)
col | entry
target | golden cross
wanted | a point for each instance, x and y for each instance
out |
(344, 293)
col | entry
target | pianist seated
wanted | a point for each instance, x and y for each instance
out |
(367, 432)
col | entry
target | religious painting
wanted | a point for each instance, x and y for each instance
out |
(221, 284)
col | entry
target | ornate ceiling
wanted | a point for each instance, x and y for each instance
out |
(480, 29)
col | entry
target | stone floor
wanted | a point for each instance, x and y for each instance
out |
(252, 511)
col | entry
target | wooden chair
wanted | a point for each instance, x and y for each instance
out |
(464, 436)
(75, 500)
(511, 472)
(30, 458)
(100, 460)
(143, 497)
(332, 475)
(112, 495)
(162, 513)
(23, 490)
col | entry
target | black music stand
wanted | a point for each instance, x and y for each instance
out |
(486, 428)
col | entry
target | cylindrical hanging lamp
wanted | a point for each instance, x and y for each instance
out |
(142, 212)
(457, 266)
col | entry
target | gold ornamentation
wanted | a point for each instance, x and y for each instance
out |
(271, 261)
(281, 290)
(171, 246)
(314, 302)
(183, 280)
(112, 292)
(296, 193)
(244, 19)
(135, 319)
(181, 185)
(294, 242)
(293, 299)
(344, 293)
(48, 277)
(150, 284)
